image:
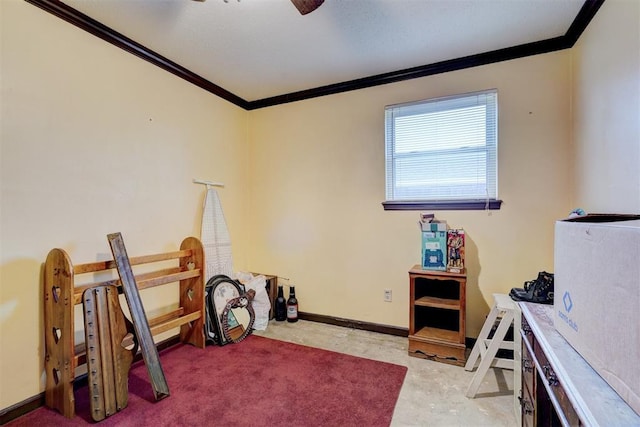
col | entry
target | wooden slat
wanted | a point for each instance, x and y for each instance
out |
(165, 323)
(59, 321)
(80, 349)
(140, 323)
(120, 328)
(437, 334)
(164, 327)
(192, 293)
(169, 278)
(108, 362)
(166, 317)
(93, 339)
(79, 354)
(144, 280)
(449, 304)
(78, 291)
(108, 375)
(145, 259)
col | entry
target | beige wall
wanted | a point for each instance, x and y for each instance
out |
(95, 141)
(606, 110)
(317, 169)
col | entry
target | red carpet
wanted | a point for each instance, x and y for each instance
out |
(257, 382)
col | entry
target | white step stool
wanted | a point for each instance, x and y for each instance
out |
(485, 349)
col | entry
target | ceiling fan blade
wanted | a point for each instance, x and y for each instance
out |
(306, 6)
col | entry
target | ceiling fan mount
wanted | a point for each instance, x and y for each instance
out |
(306, 6)
(303, 6)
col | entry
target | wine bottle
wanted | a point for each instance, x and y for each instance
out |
(281, 306)
(292, 305)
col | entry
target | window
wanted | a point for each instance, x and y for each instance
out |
(442, 153)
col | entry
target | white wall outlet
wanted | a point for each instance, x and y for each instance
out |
(387, 295)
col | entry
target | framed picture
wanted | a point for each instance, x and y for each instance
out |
(238, 317)
(219, 290)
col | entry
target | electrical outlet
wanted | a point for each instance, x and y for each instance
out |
(387, 295)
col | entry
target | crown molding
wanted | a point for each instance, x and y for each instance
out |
(73, 16)
(80, 20)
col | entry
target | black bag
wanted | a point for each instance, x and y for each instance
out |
(219, 289)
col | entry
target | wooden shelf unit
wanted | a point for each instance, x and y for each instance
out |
(63, 355)
(437, 315)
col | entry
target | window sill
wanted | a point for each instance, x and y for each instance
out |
(448, 205)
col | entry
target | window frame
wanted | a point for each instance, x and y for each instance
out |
(488, 203)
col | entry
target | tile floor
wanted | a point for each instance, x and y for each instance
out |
(433, 393)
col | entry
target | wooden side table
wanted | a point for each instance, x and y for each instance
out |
(437, 315)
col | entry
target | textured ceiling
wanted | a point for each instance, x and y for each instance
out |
(258, 49)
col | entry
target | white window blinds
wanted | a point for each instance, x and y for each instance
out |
(443, 149)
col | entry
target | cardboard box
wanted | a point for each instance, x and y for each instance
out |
(433, 225)
(597, 296)
(434, 247)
